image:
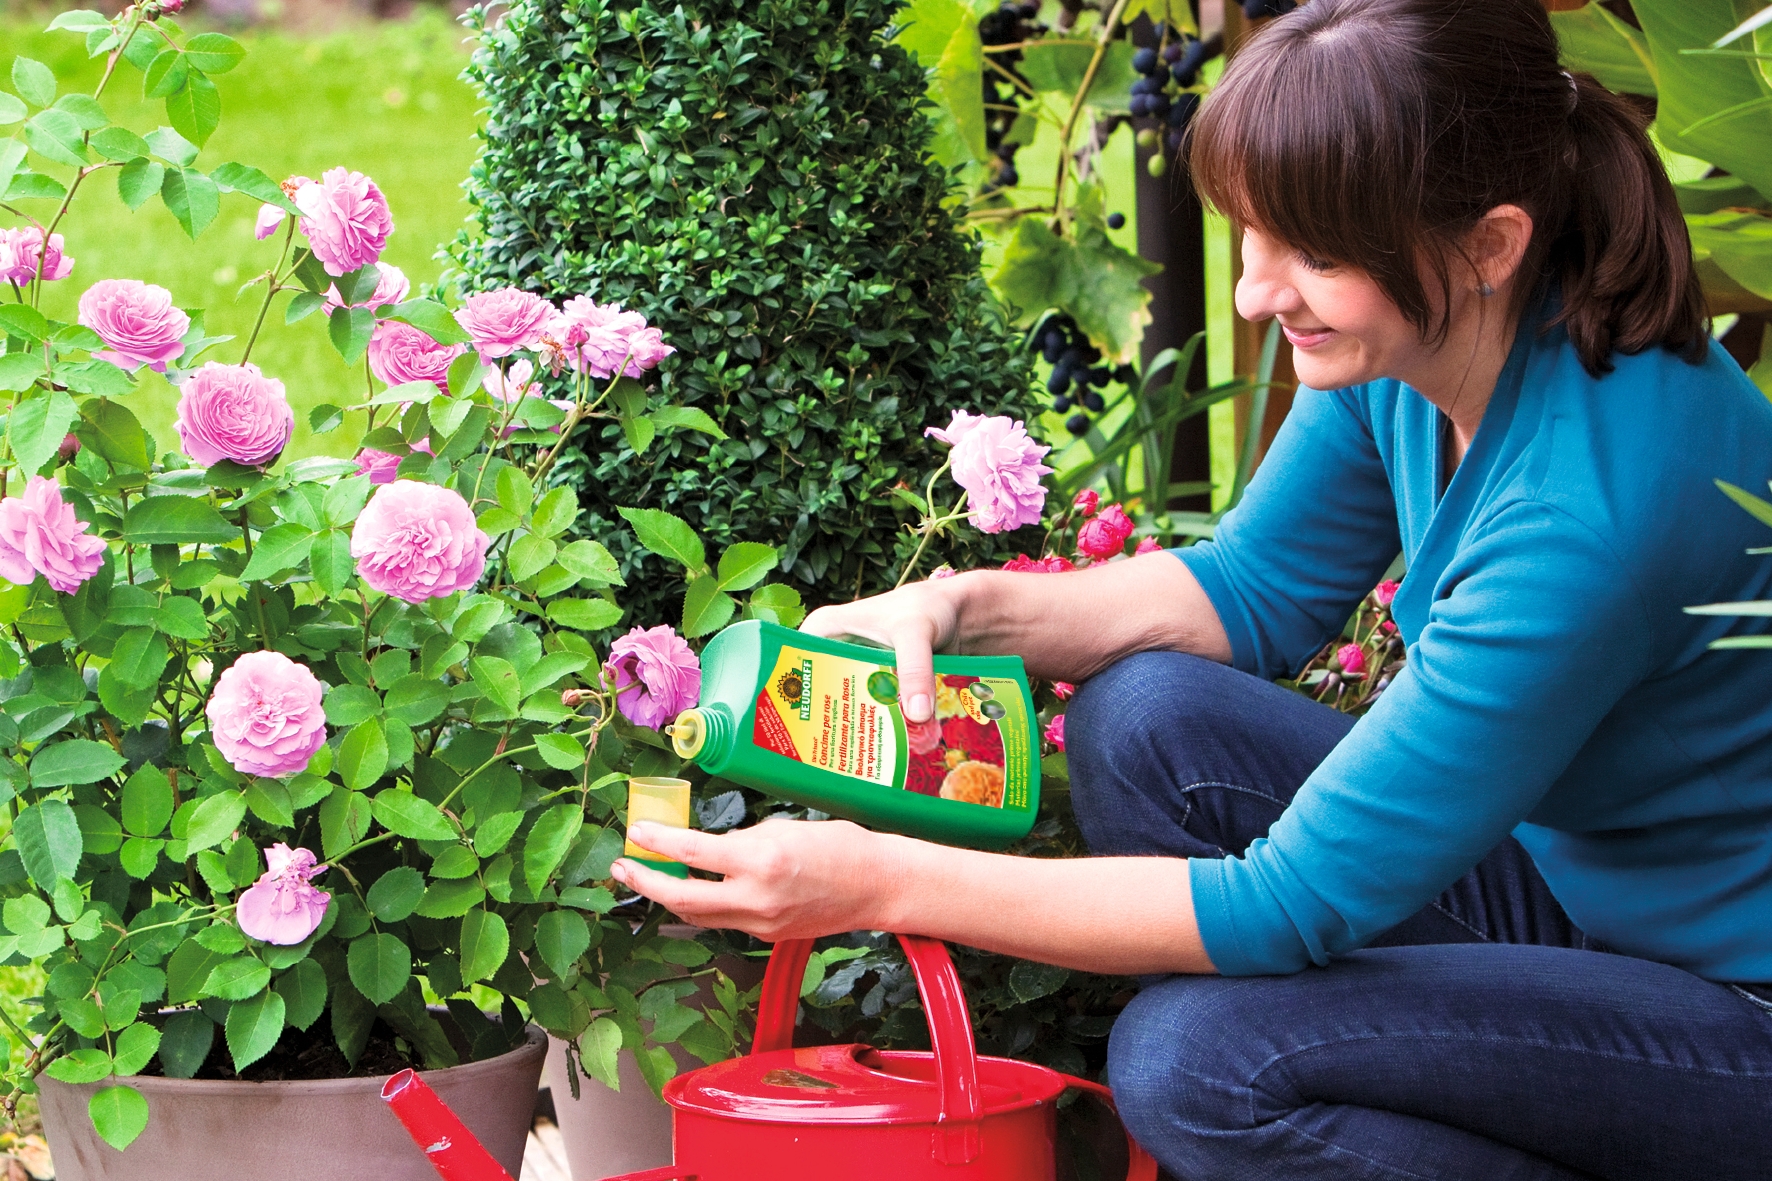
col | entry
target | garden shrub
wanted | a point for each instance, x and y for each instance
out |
(754, 177)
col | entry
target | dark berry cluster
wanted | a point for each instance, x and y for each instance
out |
(1011, 24)
(1078, 376)
(1167, 72)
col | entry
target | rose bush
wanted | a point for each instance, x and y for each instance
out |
(225, 675)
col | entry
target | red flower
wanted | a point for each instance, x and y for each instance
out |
(1352, 660)
(1050, 564)
(1384, 592)
(1064, 689)
(1147, 545)
(1055, 731)
(1105, 535)
(1087, 501)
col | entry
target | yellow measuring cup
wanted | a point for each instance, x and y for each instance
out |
(660, 801)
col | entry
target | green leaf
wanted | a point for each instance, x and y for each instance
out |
(214, 820)
(686, 418)
(139, 658)
(561, 936)
(1693, 88)
(514, 490)
(380, 965)
(594, 898)
(555, 513)
(457, 861)
(485, 941)
(147, 802)
(1030, 981)
(777, 604)
(348, 705)
(465, 374)
(171, 147)
(23, 321)
(84, 110)
(139, 181)
(303, 989)
(416, 699)
(639, 433)
(185, 1042)
(589, 559)
(943, 36)
(191, 197)
(667, 536)
(48, 840)
(404, 814)
(430, 318)
(135, 1045)
(1759, 509)
(11, 111)
(281, 547)
(349, 329)
(237, 979)
(38, 427)
(363, 756)
(74, 761)
(269, 801)
(12, 153)
(331, 562)
(176, 520)
(599, 1047)
(494, 832)
(499, 682)
(34, 81)
(706, 607)
(119, 144)
(119, 1114)
(195, 111)
(560, 751)
(20, 371)
(548, 841)
(395, 894)
(584, 614)
(166, 74)
(254, 1027)
(345, 818)
(80, 20)
(80, 1066)
(745, 564)
(1591, 40)
(214, 53)
(114, 432)
(529, 555)
(182, 618)
(451, 898)
(1100, 284)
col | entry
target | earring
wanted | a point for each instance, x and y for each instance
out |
(1484, 290)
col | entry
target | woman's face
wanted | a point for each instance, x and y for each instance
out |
(1343, 329)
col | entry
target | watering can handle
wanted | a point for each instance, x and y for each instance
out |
(1141, 1166)
(950, 1032)
(668, 1173)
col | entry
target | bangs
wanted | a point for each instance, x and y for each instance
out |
(1309, 140)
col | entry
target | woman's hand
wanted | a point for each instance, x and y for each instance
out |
(784, 879)
(915, 621)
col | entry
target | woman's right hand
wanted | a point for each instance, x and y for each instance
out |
(915, 621)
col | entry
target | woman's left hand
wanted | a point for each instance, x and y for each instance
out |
(784, 879)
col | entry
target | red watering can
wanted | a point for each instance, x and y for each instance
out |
(782, 1114)
(446, 1141)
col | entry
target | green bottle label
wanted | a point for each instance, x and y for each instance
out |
(842, 715)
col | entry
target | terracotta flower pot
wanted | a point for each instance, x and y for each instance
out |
(204, 1130)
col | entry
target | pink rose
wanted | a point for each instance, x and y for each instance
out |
(269, 218)
(1384, 592)
(381, 466)
(654, 674)
(1147, 545)
(1388, 628)
(1086, 502)
(281, 907)
(1050, 564)
(399, 353)
(345, 218)
(1105, 534)
(21, 251)
(501, 322)
(513, 384)
(39, 534)
(233, 412)
(1063, 689)
(1000, 468)
(418, 541)
(391, 286)
(136, 320)
(1055, 731)
(942, 571)
(265, 715)
(599, 338)
(923, 737)
(1352, 660)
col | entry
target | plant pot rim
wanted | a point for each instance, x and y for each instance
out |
(535, 1044)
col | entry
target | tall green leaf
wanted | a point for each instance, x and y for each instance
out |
(49, 843)
(667, 536)
(119, 1114)
(253, 1027)
(485, 941)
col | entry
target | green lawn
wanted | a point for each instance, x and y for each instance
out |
(382, 99)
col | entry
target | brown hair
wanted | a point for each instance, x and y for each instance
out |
(1377, 133)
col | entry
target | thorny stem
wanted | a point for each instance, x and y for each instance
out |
(258, 604)
(931, 527)
(272, 286)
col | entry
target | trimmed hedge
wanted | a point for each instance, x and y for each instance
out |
(754, 177)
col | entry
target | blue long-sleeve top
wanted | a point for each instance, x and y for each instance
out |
(1554, 689)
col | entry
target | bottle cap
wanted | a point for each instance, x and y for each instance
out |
(688, 733)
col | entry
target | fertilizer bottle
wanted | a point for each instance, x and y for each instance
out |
(817, 722)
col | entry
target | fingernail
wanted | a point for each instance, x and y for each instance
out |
(619, 871)
(917, 708)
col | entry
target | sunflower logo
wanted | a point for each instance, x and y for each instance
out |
(790, 687)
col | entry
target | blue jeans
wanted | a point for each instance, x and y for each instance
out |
(1484, 1038)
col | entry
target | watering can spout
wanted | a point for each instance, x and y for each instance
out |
(446, 1141)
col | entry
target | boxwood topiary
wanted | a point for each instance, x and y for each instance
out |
(753, 176)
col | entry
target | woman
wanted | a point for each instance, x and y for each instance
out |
(1516, 922)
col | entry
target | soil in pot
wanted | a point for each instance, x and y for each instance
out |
(338, 1128)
